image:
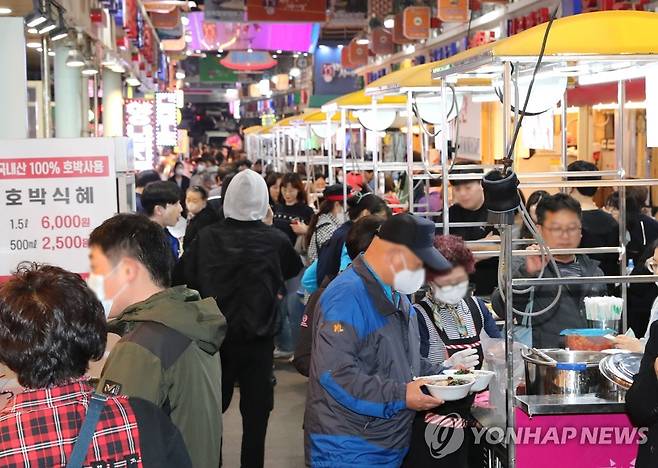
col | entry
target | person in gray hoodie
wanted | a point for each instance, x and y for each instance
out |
(169, 350)
(242, 263)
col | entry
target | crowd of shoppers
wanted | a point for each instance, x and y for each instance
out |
(367, 303)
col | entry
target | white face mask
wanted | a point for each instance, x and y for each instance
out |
(450, 294)
(97, 284)
(180, 172)
(408, 281)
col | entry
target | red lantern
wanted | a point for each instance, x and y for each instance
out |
(96, 15)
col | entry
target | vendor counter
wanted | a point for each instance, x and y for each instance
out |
(562, 431)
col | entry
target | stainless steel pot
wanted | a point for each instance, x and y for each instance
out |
(573, 372)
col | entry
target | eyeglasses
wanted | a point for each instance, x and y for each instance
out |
(652, 265)
(559, 231)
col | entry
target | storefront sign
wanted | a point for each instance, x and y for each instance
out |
(213, 35)
(211, 71)
(455, 11)
(224, 10)
(358, 53)
(416, 24)
(140, 127)
(54, 193)
(382, 41)
(330, 77)
(398, 31)
(287, 10)
(166, 133)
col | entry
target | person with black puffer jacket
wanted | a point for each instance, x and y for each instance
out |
(243, 263)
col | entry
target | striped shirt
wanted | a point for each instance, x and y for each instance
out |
(447, 320)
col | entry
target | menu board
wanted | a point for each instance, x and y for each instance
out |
(53, 193)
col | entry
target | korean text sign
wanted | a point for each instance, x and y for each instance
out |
(53, 193)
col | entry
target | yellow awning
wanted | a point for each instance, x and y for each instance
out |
(321, 117)
(419, 76)
(602, 33)
(252, 130)
(289, 121)
(359, 98)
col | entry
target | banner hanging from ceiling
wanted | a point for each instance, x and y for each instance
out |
(329, 76)
(224, 10)
(290, 37)
(287, 10)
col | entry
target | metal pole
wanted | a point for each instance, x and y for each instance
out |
(444, 156)
(410, 150)
(509, 339)
(507, 268)
(619, 153)
(507, 80)
(45, 90)
(563, 126)
(624, 279)
(96, 107)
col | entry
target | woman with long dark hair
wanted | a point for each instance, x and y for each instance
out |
(292, 213)
(324, 223)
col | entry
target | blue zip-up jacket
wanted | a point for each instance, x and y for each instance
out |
(365, 351)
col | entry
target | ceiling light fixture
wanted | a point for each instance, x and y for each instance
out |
(74, 59)
(51, 53)
(389, 22)
(47, 26)
(35, 18)
(89, 69)
(295, 72)
(33, 45)
(279, 51)
(61, 31)
(5, 11)
(133, 81)
(180, 75)
(362, 39)
(33, 31)
(250, 50)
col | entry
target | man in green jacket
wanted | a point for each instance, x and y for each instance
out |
(169, 350)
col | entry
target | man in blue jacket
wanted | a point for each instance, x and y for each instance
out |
(366, 353)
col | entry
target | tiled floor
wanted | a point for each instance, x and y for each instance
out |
(285, 438)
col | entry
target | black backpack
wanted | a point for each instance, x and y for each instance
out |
(302, 359)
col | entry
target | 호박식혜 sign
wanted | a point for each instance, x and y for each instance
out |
(53, 193)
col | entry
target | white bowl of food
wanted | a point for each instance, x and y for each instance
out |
(482, 377)
(448, 388)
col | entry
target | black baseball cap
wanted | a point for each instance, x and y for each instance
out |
(417, 234)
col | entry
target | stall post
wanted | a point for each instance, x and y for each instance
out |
(563, 126)
(410, 150)
(444, 155)
(45, 89)
(619, 153)
(507, 260)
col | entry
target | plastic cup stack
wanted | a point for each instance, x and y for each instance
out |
(603, 308)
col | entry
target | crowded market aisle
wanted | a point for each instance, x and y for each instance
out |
(284, 447)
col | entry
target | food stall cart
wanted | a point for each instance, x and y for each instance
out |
(615, 43)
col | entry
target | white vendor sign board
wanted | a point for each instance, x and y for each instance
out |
(53, 193)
